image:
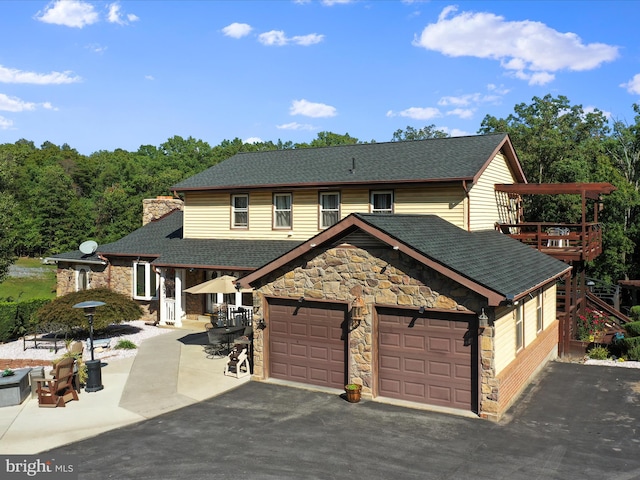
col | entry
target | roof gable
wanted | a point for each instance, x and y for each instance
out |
(490, 263)
(432, 160)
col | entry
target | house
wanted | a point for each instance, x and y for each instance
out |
(376, 263)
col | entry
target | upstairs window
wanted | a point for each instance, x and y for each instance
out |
(145, 281)
(382, 202)
(329, 209)
(240, 211)
(282, 210)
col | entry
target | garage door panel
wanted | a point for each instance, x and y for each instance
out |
(415, 365)
(315, 347)
(427, 362)
(414, 341)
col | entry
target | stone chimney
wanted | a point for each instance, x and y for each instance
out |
(154, 208)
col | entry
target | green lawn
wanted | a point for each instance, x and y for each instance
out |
(40, 282)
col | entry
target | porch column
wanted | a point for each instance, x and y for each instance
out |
(178, 297)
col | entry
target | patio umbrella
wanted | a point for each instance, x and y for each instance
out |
(223, 284)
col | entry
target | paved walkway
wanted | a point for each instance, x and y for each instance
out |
(169, 371)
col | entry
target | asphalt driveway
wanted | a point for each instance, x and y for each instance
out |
(574, 422)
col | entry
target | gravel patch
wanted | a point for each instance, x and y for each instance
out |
(136, 332)
(613, 363)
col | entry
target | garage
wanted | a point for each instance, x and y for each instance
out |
(426, 360)
(307, 342)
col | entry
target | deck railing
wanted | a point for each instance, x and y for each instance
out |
(566, 241)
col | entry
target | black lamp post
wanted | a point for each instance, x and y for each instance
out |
(94, 374)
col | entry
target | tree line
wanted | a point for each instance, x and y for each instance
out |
(52, 198)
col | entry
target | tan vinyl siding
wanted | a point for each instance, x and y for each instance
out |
(505, 326)
(504, 338)
(447, 203)
(482, 200)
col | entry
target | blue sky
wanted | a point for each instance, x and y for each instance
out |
(107, 75)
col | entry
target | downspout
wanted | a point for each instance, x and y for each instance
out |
(466, 191)
(104, 259)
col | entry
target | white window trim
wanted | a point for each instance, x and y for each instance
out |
(323, 210)
(235, 210)
(381, 192)
(148, 271)
(87, 271)
(519, 326)
(276, 210)
(539, 312)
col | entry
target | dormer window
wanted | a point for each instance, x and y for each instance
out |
(282, 211)
(240, 211)
(382, 202)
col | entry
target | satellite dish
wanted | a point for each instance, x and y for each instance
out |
(88, 247)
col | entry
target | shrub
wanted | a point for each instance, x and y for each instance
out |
(18, 318)
(119, 308)
(635, 313)
(634, 353)
(598, 353)
(632, 329)
(125, 345)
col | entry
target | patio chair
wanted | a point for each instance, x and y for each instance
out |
(58, 391)
(238, 362)
(217, 342)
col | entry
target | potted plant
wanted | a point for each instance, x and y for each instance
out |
(353, 391)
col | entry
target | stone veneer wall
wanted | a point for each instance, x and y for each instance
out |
(381, 276)
(154, 208)
(116, 276)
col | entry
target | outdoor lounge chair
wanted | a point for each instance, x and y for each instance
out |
(237, 362)
(58, 391)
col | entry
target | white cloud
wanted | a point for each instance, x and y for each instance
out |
(310, 109)
(12, 75)
(417, 113)
(149, 77)
(14, 104)
(5, 123)
(464, 113)
(252, 140)
(528, 50)
(633, 85)
(330, 3)
(295, 126)
(70, 13)
(592, 109)
(96, 48)
(115, 15)
(278, 38)
(237, 30)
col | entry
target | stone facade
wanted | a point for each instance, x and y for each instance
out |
(155, 208)
(381, 277)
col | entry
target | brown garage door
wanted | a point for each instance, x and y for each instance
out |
(307, 343)
(425, 360)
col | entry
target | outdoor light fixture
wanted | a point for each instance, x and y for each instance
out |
(94, 374)
(421, 310)
(238, 286)
(357, 312)
(483, 320)
(301, 299)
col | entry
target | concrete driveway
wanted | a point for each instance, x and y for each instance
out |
(574, 422)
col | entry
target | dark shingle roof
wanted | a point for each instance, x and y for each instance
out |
(488, 258)
(438, 159)
(163, 239)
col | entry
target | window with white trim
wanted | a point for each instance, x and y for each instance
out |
(282, 210)
(329, 209)
(145, 281)
(382, 202)
(240, 211)
(519, 326)
(539, 312)
(83, 278)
